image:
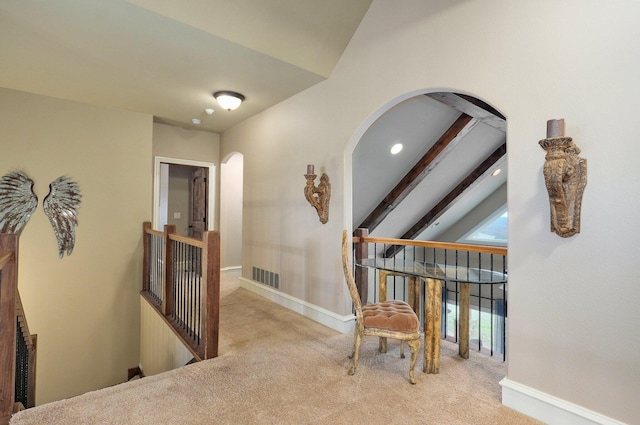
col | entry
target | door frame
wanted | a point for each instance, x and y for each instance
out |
(157, 186)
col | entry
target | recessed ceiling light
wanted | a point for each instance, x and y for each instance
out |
(496, 172)
(396, 148)
(196, 121)
(209, 111)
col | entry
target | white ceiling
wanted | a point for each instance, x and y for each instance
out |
(166, 58)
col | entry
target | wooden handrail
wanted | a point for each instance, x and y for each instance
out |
(5, 257)
(186, 239)
(150, 231)
(487, 249)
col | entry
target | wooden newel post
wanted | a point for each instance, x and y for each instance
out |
(8, 299)
(361, 276)
(167, 276)
(211, 281)
(145, 256)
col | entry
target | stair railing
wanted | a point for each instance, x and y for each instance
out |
(17, 346)
(181, 281)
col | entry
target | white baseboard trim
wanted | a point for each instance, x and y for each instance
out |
(224, 269)
(342, 324)
(547, 408)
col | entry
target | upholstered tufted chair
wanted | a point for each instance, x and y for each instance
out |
(389, 319)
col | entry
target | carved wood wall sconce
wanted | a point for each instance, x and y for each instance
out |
(318, 196)
(565, 175)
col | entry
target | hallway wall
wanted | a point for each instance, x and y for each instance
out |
(534, 61)
(83, 307)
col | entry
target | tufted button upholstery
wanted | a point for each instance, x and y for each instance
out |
(394, 316)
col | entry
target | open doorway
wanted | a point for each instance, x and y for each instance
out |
(184, 195)
(186, 200)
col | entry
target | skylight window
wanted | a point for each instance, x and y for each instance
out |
(491, 231)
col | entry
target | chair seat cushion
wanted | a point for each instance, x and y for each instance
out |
(394, 316)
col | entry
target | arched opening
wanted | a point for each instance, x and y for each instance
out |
(447, 183)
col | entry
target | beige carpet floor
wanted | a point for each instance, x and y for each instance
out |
(277, 367)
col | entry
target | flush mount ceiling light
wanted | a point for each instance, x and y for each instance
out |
(496, 172)
(229, 100)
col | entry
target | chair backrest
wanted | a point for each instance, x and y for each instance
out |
(348, 275)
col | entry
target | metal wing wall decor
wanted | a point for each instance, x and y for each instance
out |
(17, 202)
(61, 206)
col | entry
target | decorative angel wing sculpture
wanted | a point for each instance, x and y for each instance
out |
(17, 202)
(61, 206)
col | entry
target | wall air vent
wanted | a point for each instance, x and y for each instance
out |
(266, 277)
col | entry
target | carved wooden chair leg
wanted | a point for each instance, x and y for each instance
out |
(383, 344)
(414, 345)
(356, 354)
(355, 342)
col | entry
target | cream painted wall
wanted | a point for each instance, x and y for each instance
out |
(85, 307)
(231, 211)
(177, 142)
(160, 349)
(573, 308)
(179, 194)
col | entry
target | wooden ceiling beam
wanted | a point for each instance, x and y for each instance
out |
(460, 128)
(473, 107)
(445, 202)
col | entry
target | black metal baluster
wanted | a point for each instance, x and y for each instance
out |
(175, 293)
(504, 310)
(192, 289)
(183, 286)
(479, 304)
(199, 294)
(177, 306)
(491, 306)
(160, 268)
(180, 285)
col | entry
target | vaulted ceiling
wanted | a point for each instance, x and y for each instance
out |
(166, 59)
(452, 144)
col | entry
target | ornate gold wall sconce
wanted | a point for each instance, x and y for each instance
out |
(565, 175)
(318, 196)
